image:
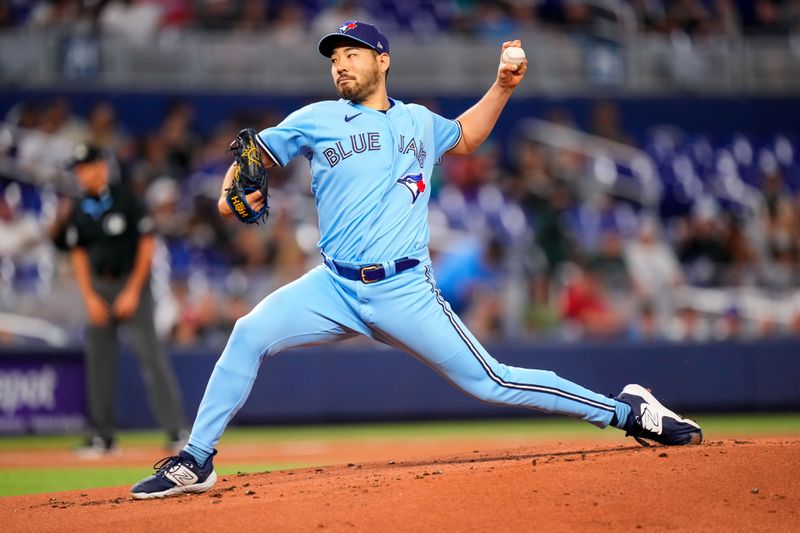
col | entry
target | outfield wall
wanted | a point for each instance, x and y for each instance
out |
(42, 391)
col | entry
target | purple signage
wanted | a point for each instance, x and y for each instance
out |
(42, 396)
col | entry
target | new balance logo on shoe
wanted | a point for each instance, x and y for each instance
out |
(651, 420)
(181, 476)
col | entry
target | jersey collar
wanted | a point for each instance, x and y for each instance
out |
(392, 105)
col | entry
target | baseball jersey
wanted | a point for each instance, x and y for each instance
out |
(370, 174)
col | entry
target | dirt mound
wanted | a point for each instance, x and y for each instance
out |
(726, 485)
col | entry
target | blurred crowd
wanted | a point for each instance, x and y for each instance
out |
(140, 20)
(527, 242)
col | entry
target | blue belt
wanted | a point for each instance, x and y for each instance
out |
(369, 273)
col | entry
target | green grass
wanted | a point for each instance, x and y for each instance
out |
(27, 480)
(36, 480)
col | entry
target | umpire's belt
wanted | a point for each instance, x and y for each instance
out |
(371, 273)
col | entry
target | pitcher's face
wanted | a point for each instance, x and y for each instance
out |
(356, 72)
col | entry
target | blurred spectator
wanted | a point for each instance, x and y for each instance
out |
(197, 310)
(701, 248)
(783, 245)
(794, 326)
(250, 250)
(254, 16)
(531, 185)
(25, 115)
(651, 14)
(577, 14)
(774, 188)
(217, 15)
(742, 270)
(590, 221)
(688, 326)
(162, 199)
(606, 123)
(690, 16)
(465, 267)
(586, 307)
(726, 19)
(288, 259)
(730, 326)
(54, 14)
(63, 123)
(768, 18)
(525, 15)
(473, 275)
(177, 136)
(152, 164)
(235, 302)
(131, 20)
(654, 270)
(44, 149)
(646, 326)
(330, 18)
(552, 229)
(175, 14)
(103, 130)
(494, 22)
(289, 26)
(607, 261)
(20, 230)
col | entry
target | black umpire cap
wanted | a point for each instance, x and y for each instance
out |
(86, 153)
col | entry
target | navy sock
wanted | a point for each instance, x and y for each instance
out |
(621, 412)
(200, 456)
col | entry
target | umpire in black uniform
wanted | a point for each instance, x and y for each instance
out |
(110, 241)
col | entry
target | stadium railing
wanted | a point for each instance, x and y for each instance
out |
(628, 63)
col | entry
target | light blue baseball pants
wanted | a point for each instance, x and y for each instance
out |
(406, 311)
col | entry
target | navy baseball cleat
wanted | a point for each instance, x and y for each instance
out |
(651, 421)
(178, 474)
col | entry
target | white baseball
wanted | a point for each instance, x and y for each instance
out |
(513, 55)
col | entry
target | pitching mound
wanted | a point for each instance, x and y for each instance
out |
(726, 485)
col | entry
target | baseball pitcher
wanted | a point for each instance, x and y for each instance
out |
(371, 159)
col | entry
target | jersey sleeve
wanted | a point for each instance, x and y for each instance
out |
(446, 134)
(290, 138)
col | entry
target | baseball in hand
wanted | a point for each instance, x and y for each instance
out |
(513, 55)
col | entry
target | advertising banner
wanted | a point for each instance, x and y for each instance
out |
(41, 396)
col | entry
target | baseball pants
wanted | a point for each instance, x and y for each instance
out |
(102, 354)
(405, 311)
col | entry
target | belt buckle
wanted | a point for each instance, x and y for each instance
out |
(364, 275)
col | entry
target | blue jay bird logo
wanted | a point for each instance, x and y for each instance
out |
(351, 25)
(415, 185)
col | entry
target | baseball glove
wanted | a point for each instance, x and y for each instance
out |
(250, 175)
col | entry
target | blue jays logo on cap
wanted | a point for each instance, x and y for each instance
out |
(348, 26)
(353, 30)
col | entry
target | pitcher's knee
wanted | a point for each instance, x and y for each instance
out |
(248, 340)
(483, 389)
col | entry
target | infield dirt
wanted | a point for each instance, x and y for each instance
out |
(724, 485)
